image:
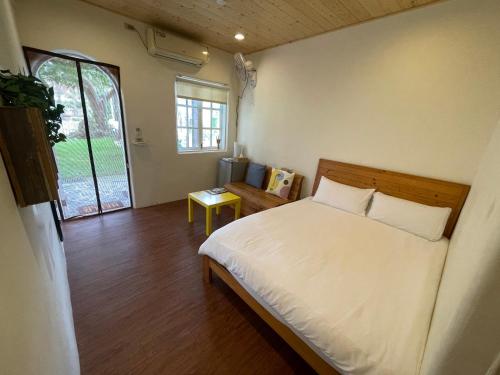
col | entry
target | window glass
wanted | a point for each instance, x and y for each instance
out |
(181, 137)
(181, 117)
(206, 118)
(215, 119)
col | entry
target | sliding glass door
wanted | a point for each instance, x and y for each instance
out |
(92, 163)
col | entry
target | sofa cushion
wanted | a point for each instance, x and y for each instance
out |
(280, 183)
(255, 175)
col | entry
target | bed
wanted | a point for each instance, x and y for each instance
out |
(349, 294)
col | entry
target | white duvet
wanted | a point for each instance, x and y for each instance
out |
(359, 291)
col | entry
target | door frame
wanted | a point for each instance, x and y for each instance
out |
(78, 61)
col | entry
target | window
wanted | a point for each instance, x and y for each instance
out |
(201, 115)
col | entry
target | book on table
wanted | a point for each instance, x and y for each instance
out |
(216, 191)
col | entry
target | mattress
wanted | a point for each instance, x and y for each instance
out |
(359, 292)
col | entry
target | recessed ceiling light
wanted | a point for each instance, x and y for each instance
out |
(205, 52)
(239, 36)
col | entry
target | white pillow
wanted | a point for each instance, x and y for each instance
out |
(345, 197)
(425, 221)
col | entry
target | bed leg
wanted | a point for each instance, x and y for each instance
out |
(207, 271)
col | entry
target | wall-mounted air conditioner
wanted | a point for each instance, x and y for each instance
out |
(173, 47)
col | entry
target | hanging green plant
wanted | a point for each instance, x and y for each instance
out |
(18, 90)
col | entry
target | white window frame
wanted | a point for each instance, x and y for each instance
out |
(223, 115)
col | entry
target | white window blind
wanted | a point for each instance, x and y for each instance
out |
(197, 91)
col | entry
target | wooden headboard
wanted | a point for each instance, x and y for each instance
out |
(414, 188)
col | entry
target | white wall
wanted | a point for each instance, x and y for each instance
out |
(36, 323)
(417, 92)
(159, 173)
(465, 331)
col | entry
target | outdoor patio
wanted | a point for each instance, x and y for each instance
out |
(78, 195)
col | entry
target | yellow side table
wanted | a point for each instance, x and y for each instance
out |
(210, 201)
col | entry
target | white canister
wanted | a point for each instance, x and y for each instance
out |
(238, 150)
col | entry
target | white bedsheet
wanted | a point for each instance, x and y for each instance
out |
(359, 290)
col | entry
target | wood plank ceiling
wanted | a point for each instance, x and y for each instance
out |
(265, 23)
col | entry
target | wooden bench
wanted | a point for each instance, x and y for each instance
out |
(255, 200)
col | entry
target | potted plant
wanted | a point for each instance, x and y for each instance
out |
(27, 91)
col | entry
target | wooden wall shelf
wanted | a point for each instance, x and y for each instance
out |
(27, 155)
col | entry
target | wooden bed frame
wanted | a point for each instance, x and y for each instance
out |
(418, 189)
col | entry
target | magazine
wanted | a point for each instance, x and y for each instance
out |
(216, 191)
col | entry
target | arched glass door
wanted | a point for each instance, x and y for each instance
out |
(92, 163)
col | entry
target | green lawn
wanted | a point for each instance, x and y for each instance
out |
(73, 160)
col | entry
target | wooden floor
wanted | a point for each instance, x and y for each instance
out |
(140, 305)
